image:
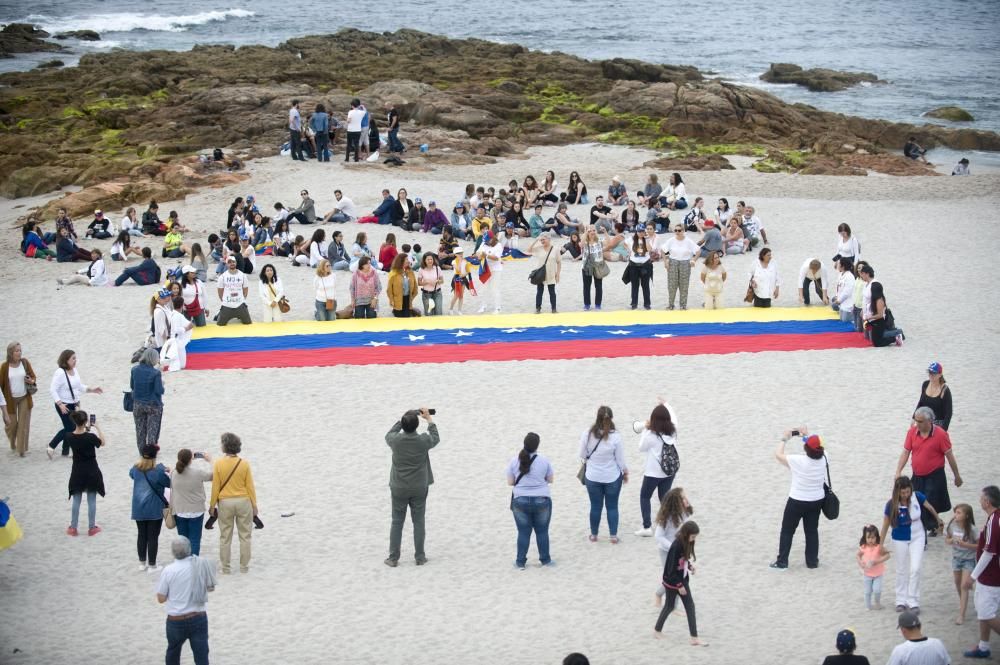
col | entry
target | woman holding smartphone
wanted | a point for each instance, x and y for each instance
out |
(187, 494)
(86, 475)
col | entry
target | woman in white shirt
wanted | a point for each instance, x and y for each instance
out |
(639, 270)
(530, 474)
(324, 283)
(675, 509)
(675, 193)
(66, 390)
(805, 498)
(606, 470)
(679, 252)
(317, 250)
(660, 432)
(843, 297)
(95, 274)
(550, 189)
(847, 245)
(723, 213)
(174, 353)
(271, 293)
(764, 279)
(130, 225)
(17, 384)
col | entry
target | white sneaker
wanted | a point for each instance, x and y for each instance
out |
(496, 311)
(481, 310)
(645, 533)
(142, 567)
(153, 569)
(51, 453)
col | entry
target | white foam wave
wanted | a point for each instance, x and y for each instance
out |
(129, 21)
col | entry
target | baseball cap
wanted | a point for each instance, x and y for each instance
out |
(709, 223)
(231, 259)
(909, 620)
(431, 203)
(846, 641)
(98, 212)
(164, 293)
(813, 441)
(187, 269)
(935, 368)
(418, 200)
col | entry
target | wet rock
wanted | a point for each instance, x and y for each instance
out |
(817, 80)
(953, 113)
(82, 35)
(691, 163)
(24, 38)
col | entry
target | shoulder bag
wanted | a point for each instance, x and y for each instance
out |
(831, 504)
(69, 384)
(597, 266)
(331, 304)
(670, 461)
(749, 294)
(214, 511)
(582, 473)
(537, 276)
(518, 479)
(283, 305)
(168, 514)
(128, 403)
(30, 387)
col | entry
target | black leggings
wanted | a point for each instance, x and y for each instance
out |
(642, 281)
(649, 483)
(540, 289)
(668, 607)
(148, 542)
(817, 283)
(598, 290)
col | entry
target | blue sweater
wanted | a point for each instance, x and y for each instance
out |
(146, 505)
(384, 210)
(147, 384)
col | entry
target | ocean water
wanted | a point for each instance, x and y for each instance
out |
(933, 53)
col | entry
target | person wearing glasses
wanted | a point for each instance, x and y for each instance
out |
(680, 254)
(306, 212)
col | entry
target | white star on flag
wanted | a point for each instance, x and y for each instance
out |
(619, 332)
(513, 330)
(462, 333)
(570, 330)
(662, 335)
(373, 343)
(415, 338)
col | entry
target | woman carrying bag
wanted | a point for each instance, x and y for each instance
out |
(659, 442)
(149, 484)
(805, 498)
(233, 502)
(604, 472)
(17, 384)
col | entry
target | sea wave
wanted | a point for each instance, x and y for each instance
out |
(129, 21)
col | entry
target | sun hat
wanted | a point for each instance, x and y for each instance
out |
(935, 368)
(846, 641)
(813, 441)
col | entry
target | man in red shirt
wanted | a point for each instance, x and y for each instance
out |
(987, 573)
(930, 445)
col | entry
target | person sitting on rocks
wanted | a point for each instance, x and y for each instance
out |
(100, 228)
(144, 274)
(151, 224)
(617, 194)
(913, 150)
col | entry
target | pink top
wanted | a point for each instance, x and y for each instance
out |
(871, 553)
(429, 276)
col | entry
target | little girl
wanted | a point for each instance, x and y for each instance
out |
(713, 276)
(679, 566)
(674, 511)
(963, 537)
(459, 282)
(871, 560)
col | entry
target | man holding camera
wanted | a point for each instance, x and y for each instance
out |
(409, 479)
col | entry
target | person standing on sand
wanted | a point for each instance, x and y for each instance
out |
(66, 389)
(17, 384)
(676, 575)
(354, 118)
(530, 474)
(295, 131)
(233, 503)
(930, 446)
(986, 574)
(805, 497)
(410, 477)
(184, 587)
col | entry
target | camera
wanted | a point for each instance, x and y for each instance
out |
(796, 432)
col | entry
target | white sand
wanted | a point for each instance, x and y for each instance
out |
(318, 591)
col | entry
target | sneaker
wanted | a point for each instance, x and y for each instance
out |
(776, 565)
(977, 653)
(613, 540)
(51, 452)
(142, 567)
(71, 531)
(392, 563)
(94, 530)
(597, 307)
(154, 568)
(481, 310)
(555, 311)
(421, 562)
(496, 311)
(519, 566)
(549, 564)
(900, 608)
(645, 533)
(592, 538)
(586, 308)
(538, 310)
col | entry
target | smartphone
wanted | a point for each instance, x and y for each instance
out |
(432, 411)
(93, 418)
(199, 455)
(796, 432)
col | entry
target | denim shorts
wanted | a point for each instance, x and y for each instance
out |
(959, 562)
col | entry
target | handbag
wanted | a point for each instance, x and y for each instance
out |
(581, 475)
(749, 295)
(214, 512)
(537, 276)
(283, 305)
(31, 388)
(670, 461)
(127, 402)
(519, 476)
(831, 504)
(331, 304)
(168, 515)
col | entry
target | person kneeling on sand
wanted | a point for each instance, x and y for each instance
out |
(184, 587)
(233, 287)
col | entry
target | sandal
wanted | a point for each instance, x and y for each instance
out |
(592, 538)
(613, 540)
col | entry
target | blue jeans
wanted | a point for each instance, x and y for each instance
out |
(338, 217)
(323, 146)
(67, 428)
(190, 528)
(604, 495)
(532, 513)
(395, 145)
(91, 509)
(322, 313)
(194, 629)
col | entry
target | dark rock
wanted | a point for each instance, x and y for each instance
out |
(24, 38)
(691, 163)
(82, 35)
(953, 113)
(50, 64)
(817, 80)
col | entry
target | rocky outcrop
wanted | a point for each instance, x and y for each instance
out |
(817, 80)
(24, 38)
(953, 113)
(50, 64)
(82, 35)
(691, 163)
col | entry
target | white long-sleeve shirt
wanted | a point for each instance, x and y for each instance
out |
(665, 534)
(316, 253)
(267, 296)
(850, 248)
(323, 287)
(844, 296)
(607, 457)
(672, 193)
(804, 272)
(765, 279)
(97, 273)
(60, 386)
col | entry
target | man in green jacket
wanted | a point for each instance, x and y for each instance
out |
(409, 480)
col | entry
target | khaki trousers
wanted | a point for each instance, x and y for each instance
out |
(238, 511)
(20, 424)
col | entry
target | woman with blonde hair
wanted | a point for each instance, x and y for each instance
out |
(323, 287)
(233, 502)
(17, 384)
(605, 471)
(149, 482)
(593, 264)
(187, 494)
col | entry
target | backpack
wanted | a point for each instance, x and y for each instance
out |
(670, 461)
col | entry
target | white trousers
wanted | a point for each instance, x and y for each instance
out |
(909, 555)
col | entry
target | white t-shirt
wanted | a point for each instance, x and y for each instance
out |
(16, 377)
(177, 582)
(805, 272)
(346, 206)
(766, 279)
(845, 289)
(928, 651)
(232, 285)
(680, 250)
(178, 325)
(354, 118)
(494, 255)
(128, 224)
(808, 476)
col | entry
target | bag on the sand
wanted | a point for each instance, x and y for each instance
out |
(831, 504)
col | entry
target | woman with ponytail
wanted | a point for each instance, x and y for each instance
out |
(187, 494)
(602, 453)
(530, 474)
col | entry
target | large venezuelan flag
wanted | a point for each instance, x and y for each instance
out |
(389, 341)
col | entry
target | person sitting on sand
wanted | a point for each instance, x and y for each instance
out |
(846, 646)
(659, 215)
(723, 213)
(616, 247)
(151, 224)
(695, 219)
(531, 191)
(962, 168)
(66, 249)
(617, 193)
(144, 274)
(306, 212)
(712, 242)
(550, 189)
(344, 210)
(879, 318)
(317, 250)
(434, 220)
(402, 208)
(93, 275)
(122, 247)
(576, 191)
(415, 222)
(384, 210)
(173, 245)
(32, 246)
(913, 150)
(674, 195)
(735, 240)
(100, 228)
(336, 252)
(360, 249)
(630, 217)
(460, 221)
(173, 223)
(63, 221)
(753, 229)
(601, 216)
(388, 251)
(650, 192)
(447, 248)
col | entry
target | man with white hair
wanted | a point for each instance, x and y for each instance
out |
(184, 587)
(930, 446)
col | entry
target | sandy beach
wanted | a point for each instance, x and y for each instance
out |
(317, 590)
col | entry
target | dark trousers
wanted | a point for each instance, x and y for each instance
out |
(323, 146)
(935, 487)
(148, 541)
(68, 427)
(817, 283)
(644, 283)
(598, 290)
(761, 302)
(353, 143)
(194, 629)
(540, 289)
(405, 312)
(395, 145)
(416, 501)
(364, 312)
(808, 513)
(661, 485)
(668, 607)
(141, 277)
(296, 143)
(299, 217)
(228, 313)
